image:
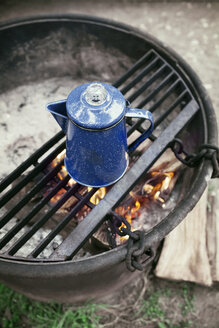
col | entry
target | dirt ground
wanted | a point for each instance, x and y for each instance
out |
(178, 305)
(191, 29)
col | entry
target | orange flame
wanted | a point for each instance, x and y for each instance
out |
(95, 199)
(158, 186)
(63, 172)
(130, 213)
(156, 189)
(99, 194)
(58, 195)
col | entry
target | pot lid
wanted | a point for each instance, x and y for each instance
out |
(95, 105)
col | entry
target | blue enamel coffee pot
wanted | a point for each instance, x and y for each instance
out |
(93, 119)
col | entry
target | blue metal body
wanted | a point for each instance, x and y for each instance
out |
(96, 140)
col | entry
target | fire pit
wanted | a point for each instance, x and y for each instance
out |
(39, 199)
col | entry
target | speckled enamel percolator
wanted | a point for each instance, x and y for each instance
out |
(93, 118)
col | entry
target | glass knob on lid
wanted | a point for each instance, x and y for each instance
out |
(96, 94)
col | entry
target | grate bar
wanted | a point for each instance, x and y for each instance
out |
(171, 108)
(39, 167)
(140, 129)
(140, 75)
(30, 194)
(23, 239)
(176, 84)
(10, 234)
(62, 224)
(138, 92)
(30, 161)
(156, 90)
(149, 97)
(137, 124)
(149, 55)
(80, 197)
(71, 245)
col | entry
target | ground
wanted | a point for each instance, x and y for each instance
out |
(191, 29)
(146, 302)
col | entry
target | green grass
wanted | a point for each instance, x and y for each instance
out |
(53, 316)
(151, 308)
(155, 308)
(187, 305)
(160, 308)
(17, 311)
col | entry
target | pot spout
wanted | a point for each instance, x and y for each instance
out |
(58, 110)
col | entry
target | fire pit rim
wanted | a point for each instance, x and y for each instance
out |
(203, 172)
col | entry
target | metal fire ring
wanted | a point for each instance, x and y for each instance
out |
(21, 275)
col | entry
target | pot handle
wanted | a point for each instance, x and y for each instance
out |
(144, 114)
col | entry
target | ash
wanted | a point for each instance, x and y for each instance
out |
(156, 212)
(25, 123)
(32, 242)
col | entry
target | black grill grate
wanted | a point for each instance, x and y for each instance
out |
(151, 83)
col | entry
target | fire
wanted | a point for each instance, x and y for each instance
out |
(59, 194)
(95, 199)
(156, 189)
(63, 172)
(99, 194)
(159, 186)
(130, 212)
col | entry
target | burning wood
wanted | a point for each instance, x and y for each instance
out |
(143, 207)
(159, 186)
(155, 189)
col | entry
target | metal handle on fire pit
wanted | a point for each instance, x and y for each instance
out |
(143, 114)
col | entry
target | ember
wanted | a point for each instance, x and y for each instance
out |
(59, 194)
